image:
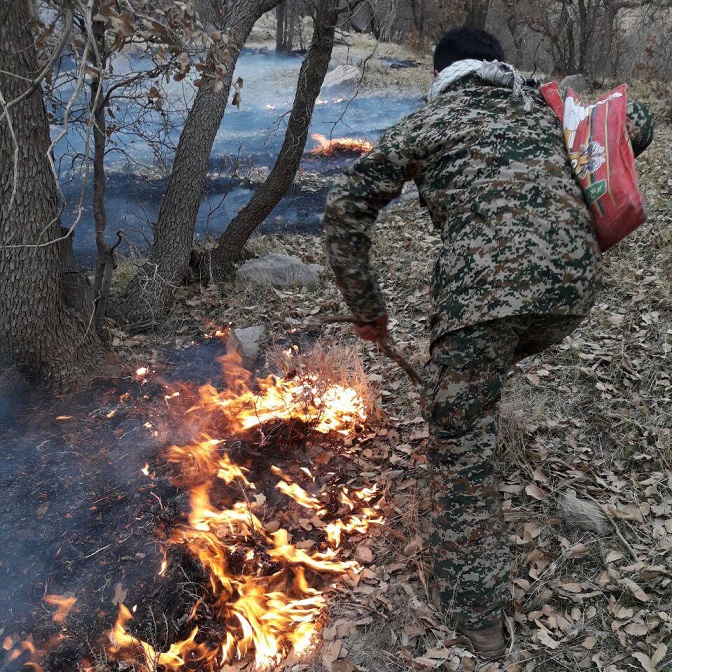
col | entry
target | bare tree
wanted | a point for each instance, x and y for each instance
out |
(311, 77)
(578, 34)
(48, 342)
(285, 22)
(143, 303)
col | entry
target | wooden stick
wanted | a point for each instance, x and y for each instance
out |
(383, 346)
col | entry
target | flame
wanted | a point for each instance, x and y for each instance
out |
(63, 604)
(269, 589)
(326, 147)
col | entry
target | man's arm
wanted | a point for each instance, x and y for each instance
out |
(640, 126)
(352, 207)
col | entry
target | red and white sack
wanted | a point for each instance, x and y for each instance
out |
(599, 150)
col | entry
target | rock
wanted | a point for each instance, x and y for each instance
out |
(577, 83)
(341, 73)
(278, 270)
(581, 513)
(246, 343)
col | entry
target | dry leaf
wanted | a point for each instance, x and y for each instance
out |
(363, 554)
(638, 592)
(534, 491)
(660, 653)
(572, 587)
(438, 654)
(330, 653)
(644, 661)
(532, 529)
(636, 629)
(120, 595)
(546, 639)
(533, 379)
(426, 662)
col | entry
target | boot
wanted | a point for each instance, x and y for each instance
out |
(488, 643)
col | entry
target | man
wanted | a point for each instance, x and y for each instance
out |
(518, 270)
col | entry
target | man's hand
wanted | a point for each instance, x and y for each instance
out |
(373, 331)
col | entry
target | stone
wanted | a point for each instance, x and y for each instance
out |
(340, 74)
(577, 83)
(278, 270)
(246, 343)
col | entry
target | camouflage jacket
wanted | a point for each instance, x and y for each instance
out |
(517, 236)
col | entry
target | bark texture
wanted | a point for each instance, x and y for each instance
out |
(476, 13)
(144, 302)
(311, 77)
(49, 343)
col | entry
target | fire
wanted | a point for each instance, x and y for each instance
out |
(269, 588)
(326, 147)
(63, 605)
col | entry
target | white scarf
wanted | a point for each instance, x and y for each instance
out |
(493, 72)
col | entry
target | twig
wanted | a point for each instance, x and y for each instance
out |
(511, 632)
(99, 550)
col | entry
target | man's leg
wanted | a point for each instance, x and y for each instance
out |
(544, 331)
(469, 543)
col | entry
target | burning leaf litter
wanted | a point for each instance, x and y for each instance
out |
(327, 147)
(267, 577)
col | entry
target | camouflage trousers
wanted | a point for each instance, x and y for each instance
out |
(463, 381)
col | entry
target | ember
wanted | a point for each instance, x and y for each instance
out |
(326, 147)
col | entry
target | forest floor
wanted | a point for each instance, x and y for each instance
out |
(585, 425)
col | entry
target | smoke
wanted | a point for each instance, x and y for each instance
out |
(78, 515)
(252, 134)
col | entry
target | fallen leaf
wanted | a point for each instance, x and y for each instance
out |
(331, 653)
(439, 654)
(534, 491)
(638, 592)
(636, 629)
(533, 379)
(363, 554)
(644, 661)
(532, 528)
(659, 654)
(120, 595)
(572, 587)
(546, 639)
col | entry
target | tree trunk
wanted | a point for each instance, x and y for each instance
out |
(104, 270)
(476, 13)
(311, 77)
(74, 285)
(49, 343)
(281, 14)
(608, 27)
(144, 302)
